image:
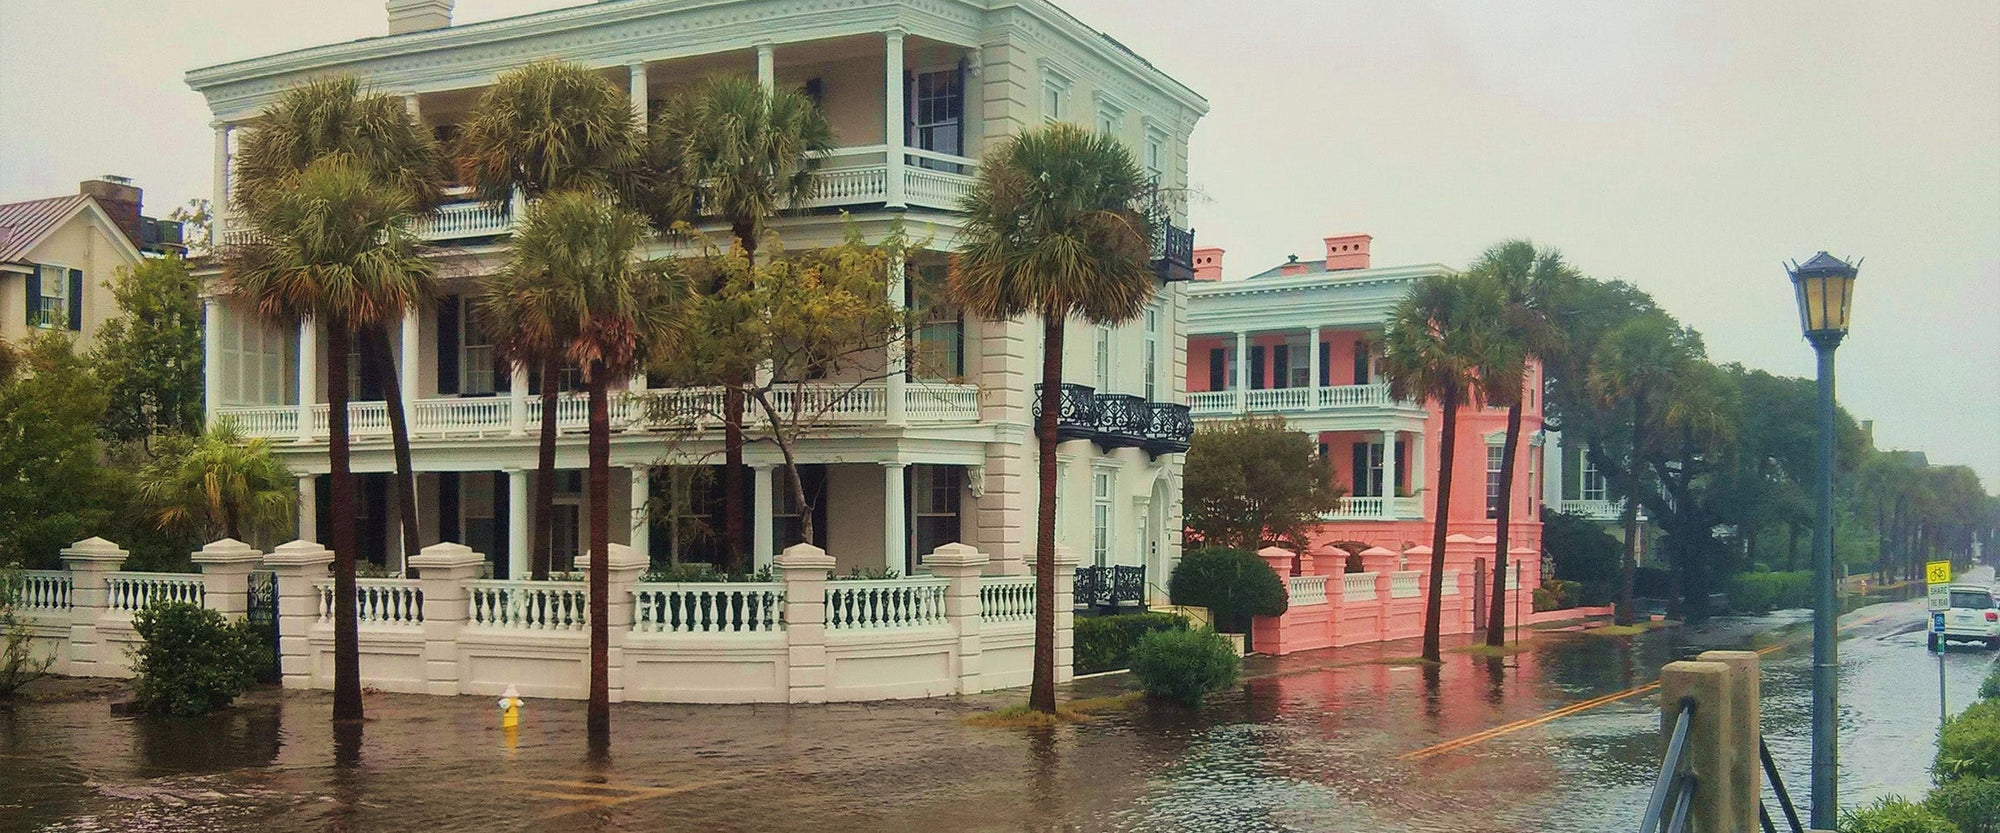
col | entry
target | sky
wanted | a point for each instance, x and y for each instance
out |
(1687, 147)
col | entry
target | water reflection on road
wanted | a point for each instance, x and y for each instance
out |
(1311, 743)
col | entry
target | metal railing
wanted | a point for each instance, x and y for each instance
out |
(1673, 793)
(1109, 587)
(1777, 790)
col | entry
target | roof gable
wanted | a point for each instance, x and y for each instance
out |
(24, 225)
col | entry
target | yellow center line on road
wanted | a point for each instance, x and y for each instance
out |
(590, 795)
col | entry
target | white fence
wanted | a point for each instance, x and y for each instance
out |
(1405, 584)
(1007, 599)
(1280, 400)
(378, 601)
(528, 605)
(885, 603)
(132, 591)
(44, 590)
(1308, 590)
(708, 607)
(1357, 587)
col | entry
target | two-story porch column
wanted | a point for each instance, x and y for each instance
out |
(642, 517)
(1389, 473)
(893, 115)
(308, 507)
(637, 72)
(211, 357)
(1242, 372)
(1418, 475)
(517, 400)
(517, 523)
(1312, 364)
(895, 535)
(406, 377)
(767, 67)
(308, 378)
(895, 376)
(762, 516)
(218, 204)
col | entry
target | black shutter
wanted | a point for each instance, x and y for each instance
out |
(1218, 374)
(503, 376)
(76, 299)
(502, 517)
(1360, 362)
(1326, 363)
(1402, 466)
(813, 477)
(34, 296)
(1361, 470)
(449, 527)
(322, 506)
(1257, 367)
(1281, 365)
(959, 132)
(447, 346)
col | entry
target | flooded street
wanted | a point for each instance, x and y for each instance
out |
(1309, 743)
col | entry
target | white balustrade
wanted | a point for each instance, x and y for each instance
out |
(1308, 590)
(830, 402)
(459, 220)
(1352, 507)
(1404, 584)
(396, 602)
(527, 605)
(1450, 583)
(937, 188)
(936, 402)
(849, 186)
(132, 591)
(1596, 510)
(1357, 587)
(708, 607)
(1224, 402)
(1279, 399)
(882, 604)
(275, 422)
(45, 590)
(1353, 395)
(1007, 598)
(478, 416)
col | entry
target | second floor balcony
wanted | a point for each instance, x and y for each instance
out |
(1119, 420)
(1233, 403)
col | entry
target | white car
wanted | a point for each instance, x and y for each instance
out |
(1974, 616)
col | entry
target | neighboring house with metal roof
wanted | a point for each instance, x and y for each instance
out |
(57, 258)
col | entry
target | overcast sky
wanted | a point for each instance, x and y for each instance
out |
(1686, 147)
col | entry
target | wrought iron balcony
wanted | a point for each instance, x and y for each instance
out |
(1108, 588)
(1122, 420)
(1169, 428)
(1076, 412)
(1173, 253)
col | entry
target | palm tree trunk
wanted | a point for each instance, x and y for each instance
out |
(545, 473)
(1496, 612)
(598, 719)
(733, 510)
(375, 350)
(1042, 691)
(346, 632)
(1434, 601)
(1627, 614)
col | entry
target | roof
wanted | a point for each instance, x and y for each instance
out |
(24, 224)
(1313, 267)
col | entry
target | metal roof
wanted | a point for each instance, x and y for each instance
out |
(24, 224)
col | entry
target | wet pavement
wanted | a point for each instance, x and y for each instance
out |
(1309, 743)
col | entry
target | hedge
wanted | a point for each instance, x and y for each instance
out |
(1105, 643)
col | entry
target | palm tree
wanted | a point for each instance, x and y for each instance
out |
(1053, 228)
(336, 246)
(1439, 339)
(617, 313)
(334, 116)
(732, 150)
(546, 127)
(219, 485)
(1635, 365)
(1527, 278)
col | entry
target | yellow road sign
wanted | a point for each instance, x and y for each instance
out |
(1937, 572)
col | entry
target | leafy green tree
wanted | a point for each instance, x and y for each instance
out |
(1233, 584)
(1053, 228)
(151, 354)
(197, 227)
(52, 486)
(1439, 339)
(193, 661)
(729, 149)
(219, 485)
(1634, 368)
(1252, 483)
(335, 246)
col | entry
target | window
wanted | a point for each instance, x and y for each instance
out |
(1110, 119)
(475, 356)
(1053, 94)
(1593, 481)
(1368, 470)
(787, 516)
(938, 115)
(1297, 372)
(477, 502)
(1100, 518)
(51, 298)
(1495, 455)
(1102, 358)
(1156, 162)
(1152, 352)
(934, 505)
(566, 520)
(258, 363)
(1218, 368)
(938, 352)
(1971, 599)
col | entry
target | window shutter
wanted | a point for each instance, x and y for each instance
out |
(1257, 367)
(34, 296)
(76, 299)
(958, 135)
(1402, 467)
(1326, 364)
(1218, 377)
(1360, 362)
(1281, 365)
(1361, 470)
(449, 527)
(447, 345)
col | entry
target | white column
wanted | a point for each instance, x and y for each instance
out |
(642, 525)
(1418, 474)
(308, 377)
(517, 400)
(637, 70)
(517, 524)
(1312, 363)
(894, 114)
(1389, 474)
(1242, 371)
(218, 202)
(211, 358)
(893, 385)
(308, 507)
(413, 106)
(895, 534)
(767, 66)
(407, 376)
(763, 544)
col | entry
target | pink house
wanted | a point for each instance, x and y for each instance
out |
(1302, 340)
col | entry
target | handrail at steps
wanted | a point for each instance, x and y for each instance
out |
(1778, 789)
(1672, 776)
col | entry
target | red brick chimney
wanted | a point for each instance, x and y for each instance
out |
(1292, 266)
(1208, 264)
(1347, 251)
(120, 199)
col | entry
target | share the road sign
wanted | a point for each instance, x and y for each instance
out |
(1937, 574)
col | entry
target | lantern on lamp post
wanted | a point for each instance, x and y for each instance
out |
(1825, 289)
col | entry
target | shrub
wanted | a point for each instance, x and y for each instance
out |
(1765, 592)
(1969, 745)
(1555, 594)
(1185, 666)
(1105, 643)
(1893, 815)
(1971, 803)
(18, 664)
(1990, 690)
(193, 661)
(1234, 585)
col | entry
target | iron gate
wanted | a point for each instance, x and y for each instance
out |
(263, 615)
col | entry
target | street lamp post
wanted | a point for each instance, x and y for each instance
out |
(1825, 287)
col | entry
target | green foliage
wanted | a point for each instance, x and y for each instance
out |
(699, 573)
(1105, 643)
(1971, 803)
(1248, 483)
(1990, 689)
(1765, 592)
(334, 117)
(1233, 584)
(730, 149)
(18, 663)
(1894, 815)
(865, 574)
(53, 489)
(1582, 550)
(1185, 666)
(193, 661)
(546, 127)
(150, 356)
(219, 485)
(1556, 594)
(1969, 745)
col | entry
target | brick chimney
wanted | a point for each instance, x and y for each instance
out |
(418, 15)
(1292, 266)
(119, 198)
(1208, 264)
(1347, 251)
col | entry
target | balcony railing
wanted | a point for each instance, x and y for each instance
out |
(1226, 403)
(860, 176)
(1076, 412)
(1108, 588)
(1169, 429)
(1353, 508)
(1173, 254)
(1121, 420)
(700, 408)
(1596, 510)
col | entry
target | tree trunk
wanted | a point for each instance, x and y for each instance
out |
(733, 510)
(545, 473)
(598, 719)
(1042, 691)
(1626, 613)
(340, 536)
(1434, 601)
(1496, 612)
(376, 351)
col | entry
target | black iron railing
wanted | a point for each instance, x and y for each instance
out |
(1778, 790)
(1122, 420)
(1173, 253)
(1076, 413)
(1673, 793)
(1108, 588)
(1169, 428)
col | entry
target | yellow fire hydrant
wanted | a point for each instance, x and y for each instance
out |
(510, 708)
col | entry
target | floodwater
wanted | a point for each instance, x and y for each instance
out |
(1308, 743)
